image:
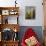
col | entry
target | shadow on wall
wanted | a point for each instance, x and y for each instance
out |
(37, 29)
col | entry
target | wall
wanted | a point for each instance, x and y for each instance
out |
(38, 21)
(39, 13)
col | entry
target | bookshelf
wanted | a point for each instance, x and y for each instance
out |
(9, 25)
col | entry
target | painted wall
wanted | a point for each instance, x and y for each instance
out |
(38, 21)
(39, 15)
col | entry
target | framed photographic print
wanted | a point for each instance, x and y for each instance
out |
(30, 12)
(5, 12)
(13, 12)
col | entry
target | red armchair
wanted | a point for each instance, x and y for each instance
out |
(30, 39)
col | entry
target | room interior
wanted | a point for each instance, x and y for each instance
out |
(17, 16)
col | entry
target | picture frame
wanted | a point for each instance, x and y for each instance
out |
(5, 12)
(13, 12)
(30, 12)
